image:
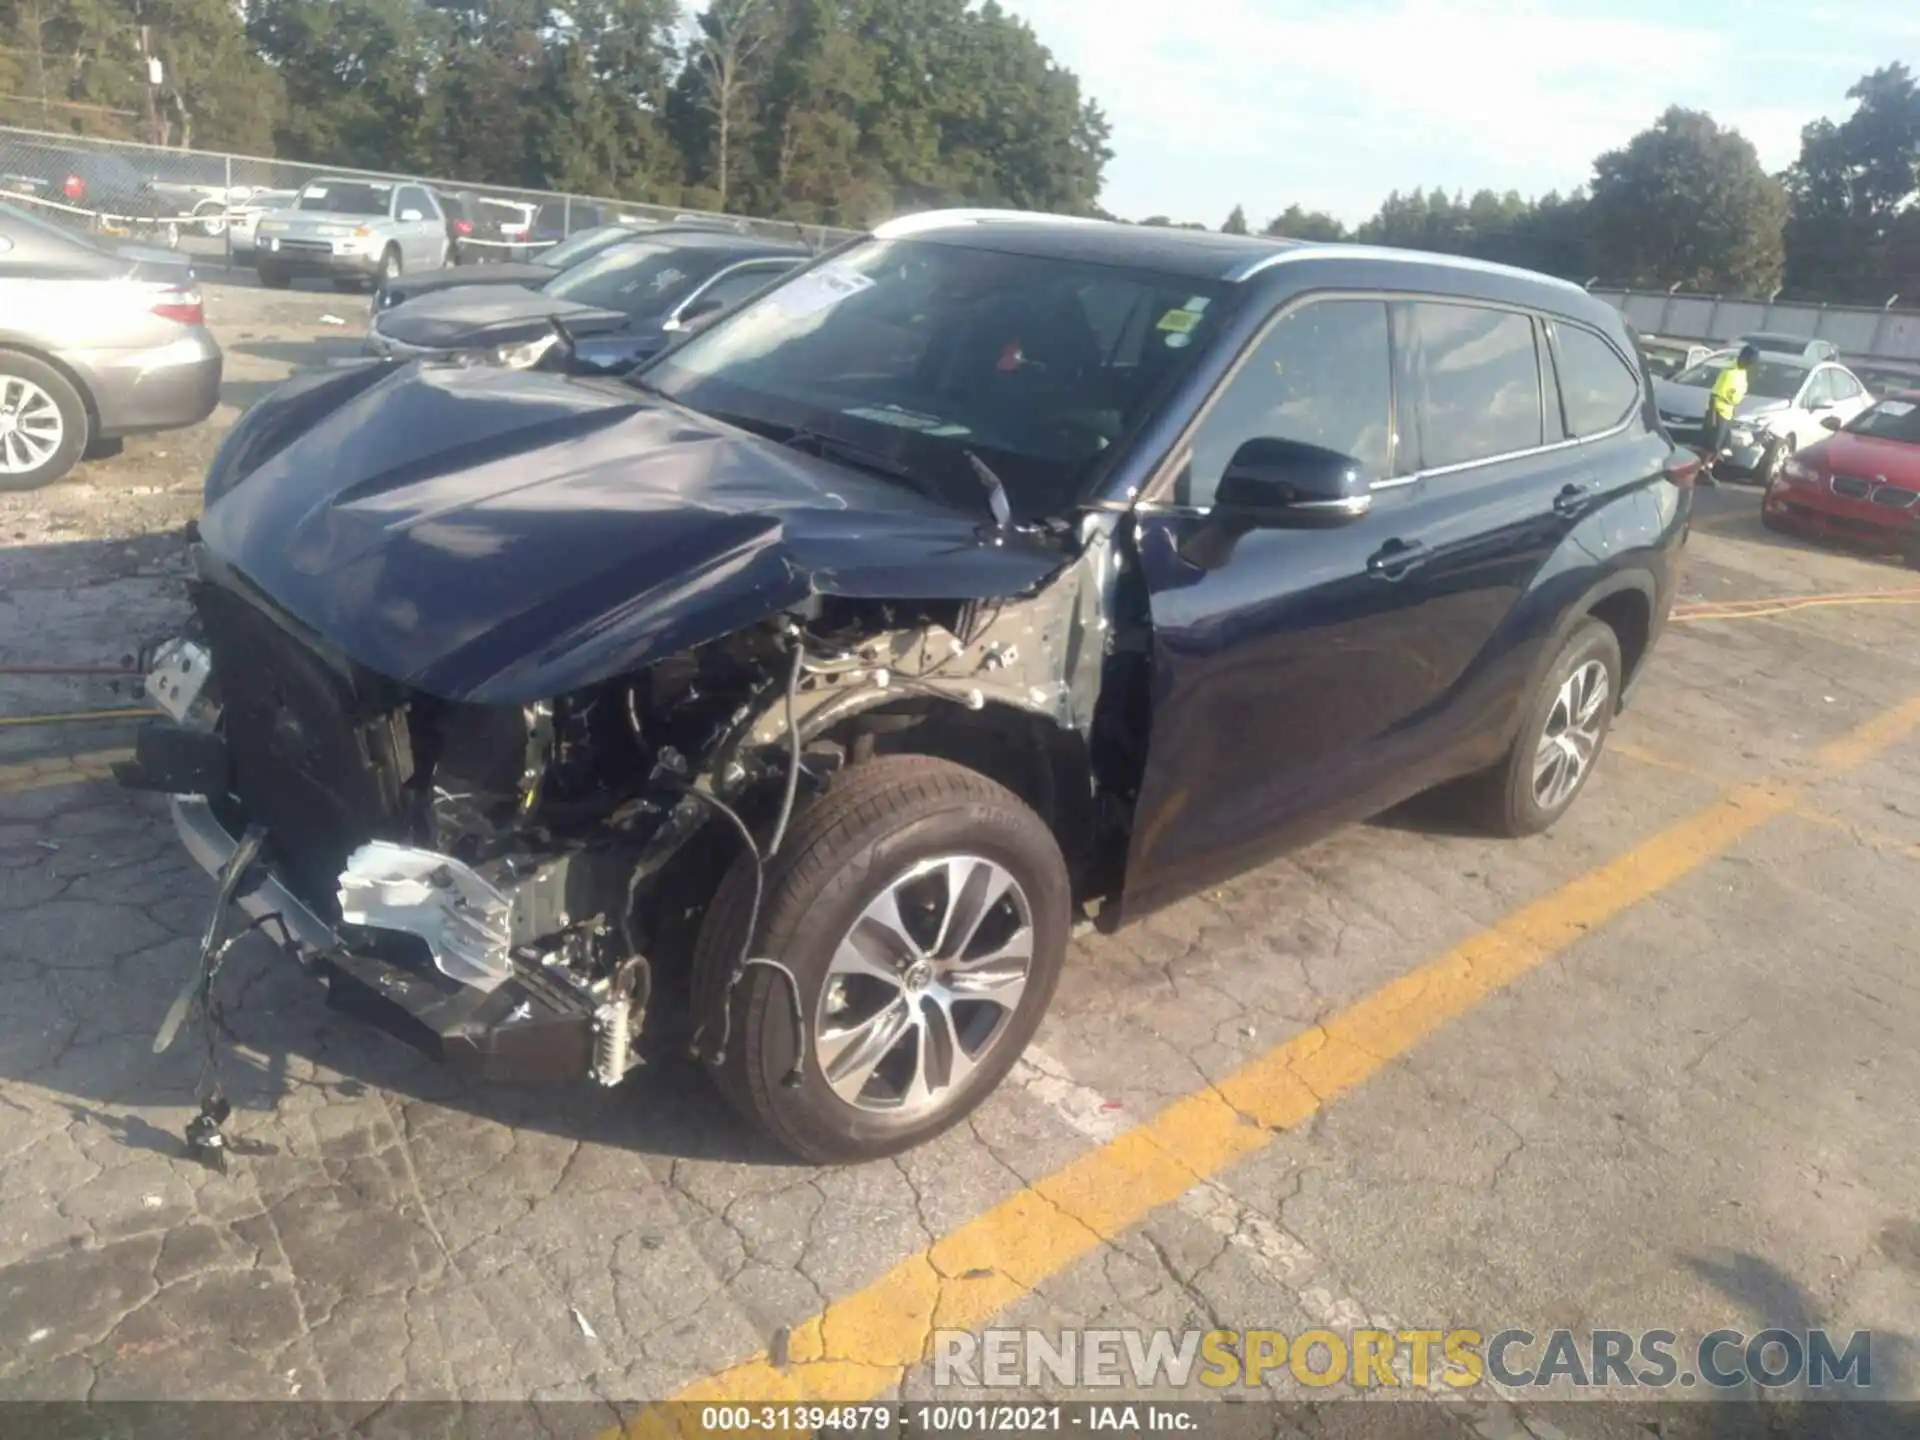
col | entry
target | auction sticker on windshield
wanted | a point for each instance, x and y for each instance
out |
(818, 289)
(1896, 407)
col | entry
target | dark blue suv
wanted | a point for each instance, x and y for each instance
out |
(792, 695)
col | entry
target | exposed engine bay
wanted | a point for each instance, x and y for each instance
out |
(558, 854)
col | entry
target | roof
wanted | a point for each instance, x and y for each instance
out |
(696, 237)
(1197, 254)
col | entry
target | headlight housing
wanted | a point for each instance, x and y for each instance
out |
(521, 357)
(1795, 469)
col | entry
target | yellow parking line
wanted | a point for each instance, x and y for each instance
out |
(860, 1346)
(1862, 834)
(60, 770)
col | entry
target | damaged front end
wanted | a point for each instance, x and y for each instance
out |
(513, 887)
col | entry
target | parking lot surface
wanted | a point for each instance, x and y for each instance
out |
(1654, 1070)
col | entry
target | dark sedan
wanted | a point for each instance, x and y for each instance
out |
(614, 310)
(534, 274)
(93, 189)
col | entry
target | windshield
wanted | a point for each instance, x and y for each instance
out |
(346, 197)
(921, 353)
(1766, 379)
(1889, 420)
(582, 245)
(638, 279)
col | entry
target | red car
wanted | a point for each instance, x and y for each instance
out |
(1861, 485)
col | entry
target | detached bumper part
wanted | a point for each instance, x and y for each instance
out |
(465, 922)
(522, 1029)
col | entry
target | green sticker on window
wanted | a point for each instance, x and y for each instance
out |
(1179, 322)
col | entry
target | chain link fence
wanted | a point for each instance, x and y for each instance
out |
(208, 204)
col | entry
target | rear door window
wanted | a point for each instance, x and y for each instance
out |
(1478, 375)
(1597, 388)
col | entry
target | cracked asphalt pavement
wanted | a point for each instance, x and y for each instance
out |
(1690, 1109)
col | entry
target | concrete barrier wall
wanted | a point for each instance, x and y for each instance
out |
(1858, 332)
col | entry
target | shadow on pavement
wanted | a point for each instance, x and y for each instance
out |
(1769, 1298)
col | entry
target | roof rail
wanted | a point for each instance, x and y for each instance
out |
(935, 219)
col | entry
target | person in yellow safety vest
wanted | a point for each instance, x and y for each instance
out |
(1729, 389)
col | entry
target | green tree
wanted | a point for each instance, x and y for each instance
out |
(1294, 223)
(1851, 227)
(1236, 223)
(1686, 202)
(357, 75)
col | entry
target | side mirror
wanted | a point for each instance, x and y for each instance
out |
(411, 215)
(1830, 422)
(1289, 484)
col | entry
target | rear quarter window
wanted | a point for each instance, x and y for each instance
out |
(1597, 389)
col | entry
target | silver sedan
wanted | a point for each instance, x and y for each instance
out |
(97, 341)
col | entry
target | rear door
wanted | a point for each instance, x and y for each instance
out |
(1500, 484)
(421, 228)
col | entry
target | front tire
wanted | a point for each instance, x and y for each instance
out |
(43, 423)
(924, 913)
(1561, 736)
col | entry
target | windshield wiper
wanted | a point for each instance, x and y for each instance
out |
(997, 502)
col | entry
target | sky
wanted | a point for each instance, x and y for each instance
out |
(1332, 103)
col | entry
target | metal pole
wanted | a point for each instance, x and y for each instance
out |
(226, 210)
(566, 217)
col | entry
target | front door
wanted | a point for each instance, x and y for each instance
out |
(1309, 677)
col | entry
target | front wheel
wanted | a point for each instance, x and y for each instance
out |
(389, 265)
(1560, 739)
(923, 913)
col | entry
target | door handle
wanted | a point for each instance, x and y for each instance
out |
(1573, 499)
(1396, 558)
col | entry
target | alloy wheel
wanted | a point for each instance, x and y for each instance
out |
(1572, 735)
(31, 427)
(923, 985)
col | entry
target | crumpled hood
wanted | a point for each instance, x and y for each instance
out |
(503, 536)
(1689, 402)
(471, 315)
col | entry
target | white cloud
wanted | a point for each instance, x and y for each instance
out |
(1274, 101)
